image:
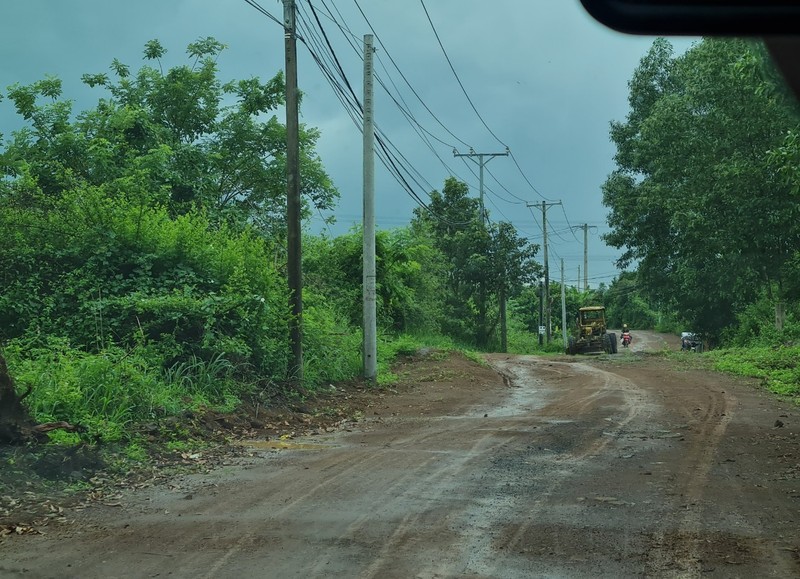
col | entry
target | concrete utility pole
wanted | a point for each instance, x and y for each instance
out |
(483, 159)
(293, 224)
(585, 228)
(541, 311)
(563, 306)
(544, 205)
(370, 307)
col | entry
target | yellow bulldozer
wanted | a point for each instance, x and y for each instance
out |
(591, 335)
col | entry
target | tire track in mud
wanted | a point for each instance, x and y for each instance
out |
(396, 492)
(513, 416)
(400, 491)
(395, 544)
(678, 543)
(600, 387)
(509, 481)
(349, 466)
(246, 538)
(688, 538)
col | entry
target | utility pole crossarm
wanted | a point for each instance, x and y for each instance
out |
(483, 158)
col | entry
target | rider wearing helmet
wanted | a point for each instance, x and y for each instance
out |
(626, 335)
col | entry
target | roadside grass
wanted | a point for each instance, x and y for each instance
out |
(624, 358)
(475, 357)
(687, 360)
(390, 348)
(135, 409)
(107, 393)
(113, 392)
(522, 342)
(778, 367)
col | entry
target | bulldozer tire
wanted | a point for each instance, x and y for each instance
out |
(613, 339)
(571, 347)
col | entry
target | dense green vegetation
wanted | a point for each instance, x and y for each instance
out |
(142, 269)
(143, 263)
(704, 201)
(700, 200)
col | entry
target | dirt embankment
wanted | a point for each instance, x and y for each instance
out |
(621, 466)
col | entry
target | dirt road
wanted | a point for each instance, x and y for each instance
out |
(620, 466)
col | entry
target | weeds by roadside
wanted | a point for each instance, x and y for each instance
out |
(778, 367)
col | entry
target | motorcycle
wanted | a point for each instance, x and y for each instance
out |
(626, 339)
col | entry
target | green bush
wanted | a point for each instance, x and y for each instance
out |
(777, 366)
(108, 391)
(408, 282)
(129, 275)
(756, 326)
(332, 349)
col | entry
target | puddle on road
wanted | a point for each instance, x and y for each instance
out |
(283, 445)
(521, 401)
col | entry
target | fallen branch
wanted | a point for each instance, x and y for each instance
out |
(48, 426)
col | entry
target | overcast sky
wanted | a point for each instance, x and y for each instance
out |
(545, 80)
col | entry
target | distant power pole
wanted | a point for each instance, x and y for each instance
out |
(541, 311)
(585, 257)
(483, 159)
(563, 305)
(370, 307)
(544, 205)
(293, 223)
(585, 228)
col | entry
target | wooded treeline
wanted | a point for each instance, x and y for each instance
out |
(704, 200)
(142, 267)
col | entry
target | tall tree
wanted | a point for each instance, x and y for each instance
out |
(181, 135)
(694, 200)
(453, 223)
(512, 259)
(487, 263)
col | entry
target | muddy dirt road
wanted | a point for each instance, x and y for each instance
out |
(620, 466)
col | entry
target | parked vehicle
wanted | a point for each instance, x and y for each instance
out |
(691, 342)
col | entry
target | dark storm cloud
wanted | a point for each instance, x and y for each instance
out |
(544, 77)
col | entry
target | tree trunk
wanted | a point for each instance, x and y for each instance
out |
(482, 337)
(503, 322)
(780, 315)
(15, 423)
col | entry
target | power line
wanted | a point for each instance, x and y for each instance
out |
(355, 106)
(416, 94)
(422, 132)
(349, 35)
(397, 165)
(324, 55)
(452, 68)
(524, 176)
(403, 76)
(265, 12)
(474, 108)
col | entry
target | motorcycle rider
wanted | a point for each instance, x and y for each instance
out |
(626, 335)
